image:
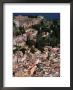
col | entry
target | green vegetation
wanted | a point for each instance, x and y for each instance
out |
(50, 26)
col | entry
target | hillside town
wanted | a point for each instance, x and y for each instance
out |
(36, 47)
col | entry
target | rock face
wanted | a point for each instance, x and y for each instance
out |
(25, 21)
(33, 54)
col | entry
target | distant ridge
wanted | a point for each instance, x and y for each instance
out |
(46, 15)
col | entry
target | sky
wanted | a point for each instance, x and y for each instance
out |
(46, 15)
